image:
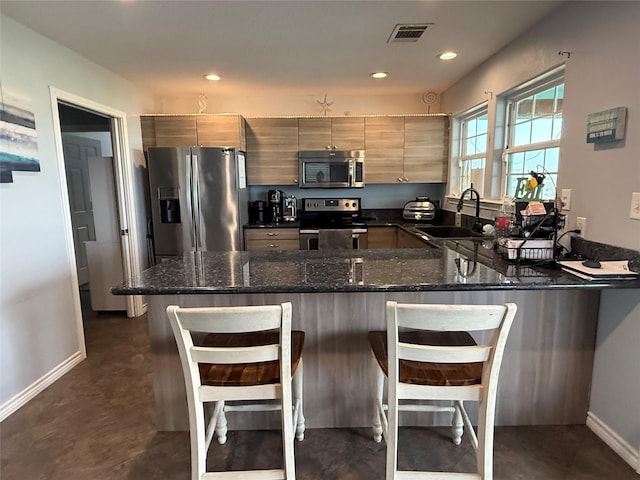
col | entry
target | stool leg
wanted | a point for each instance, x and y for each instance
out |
(297, 400)
(378, 410)
(221, 426)
(457, 424)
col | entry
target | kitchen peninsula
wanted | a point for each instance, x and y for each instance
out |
(337, 298)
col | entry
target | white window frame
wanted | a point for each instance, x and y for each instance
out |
(458, 148)
(464, 157)
(542, 83)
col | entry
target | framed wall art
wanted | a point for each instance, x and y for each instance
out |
(18, 141)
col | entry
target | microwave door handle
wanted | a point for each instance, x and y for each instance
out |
(351, 173)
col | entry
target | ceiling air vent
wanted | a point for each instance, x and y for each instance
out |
(408, 32)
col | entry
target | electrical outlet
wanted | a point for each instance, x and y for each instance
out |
(565, 199)
(581, 223)
(635, 206)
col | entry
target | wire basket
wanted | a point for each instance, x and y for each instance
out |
(511, 249)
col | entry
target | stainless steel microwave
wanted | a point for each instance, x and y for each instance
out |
(331, 169)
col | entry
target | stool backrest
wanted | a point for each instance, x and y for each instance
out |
(434, 317)
(186, 322)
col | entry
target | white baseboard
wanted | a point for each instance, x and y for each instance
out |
(611, 438)
(21, 398)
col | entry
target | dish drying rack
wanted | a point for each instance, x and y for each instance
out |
(534, 237)
(525, 249)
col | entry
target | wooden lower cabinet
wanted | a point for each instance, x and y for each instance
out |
(271, 239)
(407, 240)
(382, 237)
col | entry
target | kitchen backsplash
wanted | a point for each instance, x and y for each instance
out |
(375, 196)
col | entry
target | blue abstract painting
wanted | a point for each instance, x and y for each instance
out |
(18, 142)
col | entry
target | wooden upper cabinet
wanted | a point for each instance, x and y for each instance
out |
(176, 131)
(192, 130)
(221, 131)
(426, 148)
(397, 149)
(384, 149)
(272, 151)
(314, 133)
(347, 133)
(335, 133)
(148, 127)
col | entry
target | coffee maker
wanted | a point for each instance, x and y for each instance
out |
(289, 209)
(257, 212)
(274, 205)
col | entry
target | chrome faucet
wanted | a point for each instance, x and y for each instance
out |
(477, 225)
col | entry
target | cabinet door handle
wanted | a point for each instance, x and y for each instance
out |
(273, 245)
(271, 234)
(399, 179)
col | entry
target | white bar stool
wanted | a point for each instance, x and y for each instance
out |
(428, 354)
(249, 354)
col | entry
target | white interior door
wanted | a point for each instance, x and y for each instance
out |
(105, 254)
(77, 151)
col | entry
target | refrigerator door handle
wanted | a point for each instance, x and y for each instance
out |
(195, 195)
(190, 208)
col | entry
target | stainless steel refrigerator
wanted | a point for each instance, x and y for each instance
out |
(198, 199)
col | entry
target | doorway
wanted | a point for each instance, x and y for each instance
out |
(87, 143)
(122, 171)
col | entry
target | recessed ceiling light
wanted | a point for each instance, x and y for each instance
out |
(212, 76)
(379, 75)
(447, 55)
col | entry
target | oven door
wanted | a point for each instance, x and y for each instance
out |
(333, 239)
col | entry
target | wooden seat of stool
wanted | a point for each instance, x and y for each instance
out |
(261, 373)
(421, 373)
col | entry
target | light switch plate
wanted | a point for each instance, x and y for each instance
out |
(635, 206)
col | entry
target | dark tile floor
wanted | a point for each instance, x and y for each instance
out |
(96, 423)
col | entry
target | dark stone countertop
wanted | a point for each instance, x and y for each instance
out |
(451, 265)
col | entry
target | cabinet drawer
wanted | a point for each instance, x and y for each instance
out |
(273, 244)
(271, 234)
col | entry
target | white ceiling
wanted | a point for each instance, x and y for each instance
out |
(280, 47)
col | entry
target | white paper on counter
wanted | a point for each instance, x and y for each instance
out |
(608, 269)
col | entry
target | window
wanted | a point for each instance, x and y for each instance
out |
(533, 143)
(473, 150)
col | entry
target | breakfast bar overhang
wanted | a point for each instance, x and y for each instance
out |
(338, 297)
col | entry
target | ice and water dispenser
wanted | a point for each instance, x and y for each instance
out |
(169, 205)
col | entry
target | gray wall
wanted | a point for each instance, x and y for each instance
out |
(602, 72)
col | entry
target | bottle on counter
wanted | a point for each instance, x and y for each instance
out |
(503, 222)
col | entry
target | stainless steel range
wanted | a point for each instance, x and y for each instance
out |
(332, 224)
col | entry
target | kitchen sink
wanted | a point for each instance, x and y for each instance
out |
(448, 231)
